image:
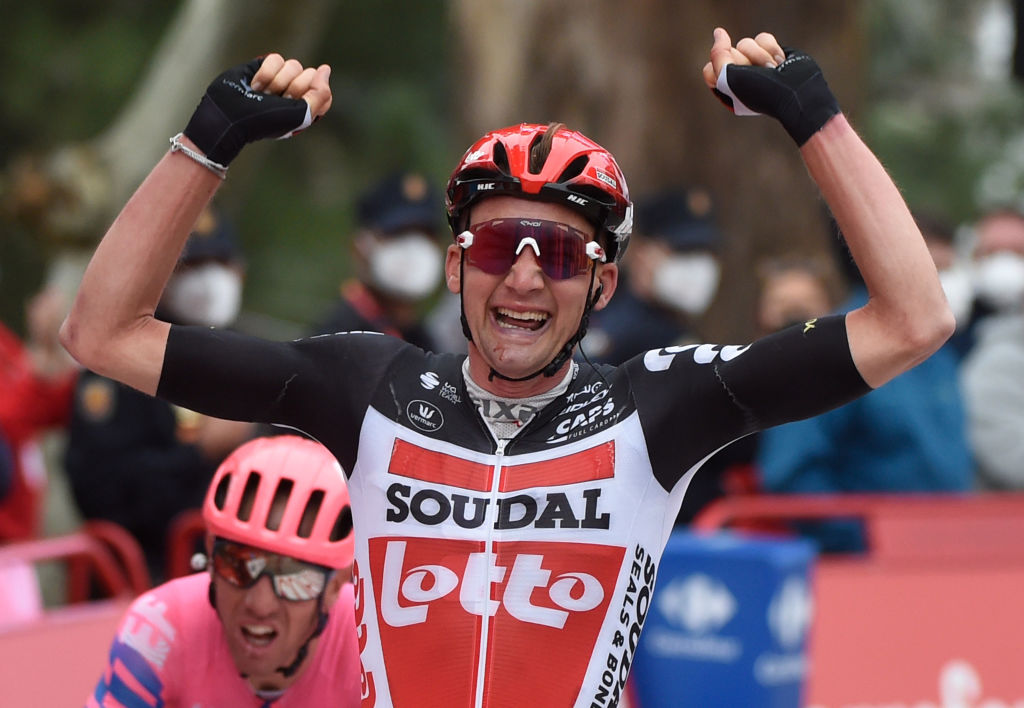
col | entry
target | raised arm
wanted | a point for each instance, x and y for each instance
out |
(907, 317)
(111, 328)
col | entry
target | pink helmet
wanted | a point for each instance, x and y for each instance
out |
(578, 173)
(301, 480)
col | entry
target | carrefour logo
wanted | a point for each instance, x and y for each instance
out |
(698, 603)
(424, 415)
(790, 611)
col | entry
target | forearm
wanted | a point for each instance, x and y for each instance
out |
(111, 328)
(907, 317)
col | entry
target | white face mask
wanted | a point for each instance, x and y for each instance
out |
(209, 294)
(406, 267)
(999, 280)
(686, 282)
(959, 290)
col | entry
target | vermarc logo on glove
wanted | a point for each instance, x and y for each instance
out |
(231, 114)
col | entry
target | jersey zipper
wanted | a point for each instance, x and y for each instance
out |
(485, 624)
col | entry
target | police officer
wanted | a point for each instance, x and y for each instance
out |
(668, 281)
(397, 261)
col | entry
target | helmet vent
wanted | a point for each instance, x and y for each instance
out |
(220, 494)
(252, 485)
(537, 157)
(279, 503)
(574, 169)
(310, 513)
(342, 525)
(501, 158)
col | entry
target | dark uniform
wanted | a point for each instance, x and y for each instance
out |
(129, 461)
(358, 310)
(400, 203)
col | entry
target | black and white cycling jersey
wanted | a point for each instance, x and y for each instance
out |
(496, 573)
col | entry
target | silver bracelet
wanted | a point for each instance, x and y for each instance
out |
(214, 167)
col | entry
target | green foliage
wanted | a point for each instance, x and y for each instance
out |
(291, 202)
(947, 138)
(76, 64)
(942, 127)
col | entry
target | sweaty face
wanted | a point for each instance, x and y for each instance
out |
(520, 319)
(265, 632)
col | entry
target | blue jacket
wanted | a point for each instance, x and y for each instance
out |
(909, 435)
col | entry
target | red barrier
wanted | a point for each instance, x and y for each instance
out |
(56, 661)
(184, 533)
(930, 616)
(101, 557)
(55, 657)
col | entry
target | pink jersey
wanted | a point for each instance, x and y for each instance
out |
(170, 651)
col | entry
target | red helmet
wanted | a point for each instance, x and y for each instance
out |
(302, 482)
(577, 172)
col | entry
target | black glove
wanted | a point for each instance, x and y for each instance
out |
(795, 93)
(231, 114)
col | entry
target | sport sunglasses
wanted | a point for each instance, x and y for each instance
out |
(562, 251)
(292, 579)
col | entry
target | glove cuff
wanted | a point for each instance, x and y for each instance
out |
(211, 131)
(817, 106)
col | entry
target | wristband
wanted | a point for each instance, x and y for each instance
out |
(214, 167)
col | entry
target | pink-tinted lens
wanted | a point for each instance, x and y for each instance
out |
(498, 242)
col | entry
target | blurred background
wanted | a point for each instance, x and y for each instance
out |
(93, 91)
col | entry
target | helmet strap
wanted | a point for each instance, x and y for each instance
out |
(300, 656)
(462, 303)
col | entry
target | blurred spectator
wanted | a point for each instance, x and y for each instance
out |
(668, 279)
(36, 381)
(792, 290)
(906, 436)
(397, 261)
(993, 370)
(137, 460)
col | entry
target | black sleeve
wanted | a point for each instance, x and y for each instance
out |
(321, 385)
(799, 372)
(695, 399)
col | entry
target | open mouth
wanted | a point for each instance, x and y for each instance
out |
(258, 635)
(528, 321)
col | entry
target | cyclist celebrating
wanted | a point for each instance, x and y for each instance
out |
(273, 620)
(512, 505)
